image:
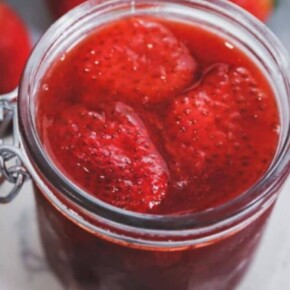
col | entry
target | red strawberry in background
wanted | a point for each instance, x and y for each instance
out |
(109, 153)
(262, 9)
(123, 53)
(60, 7)
(14, 48)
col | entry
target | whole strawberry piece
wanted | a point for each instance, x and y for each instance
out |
(214, 132)
(136, 59)
(60, 7)
(14, 48)
(110, 154)
(262, 9)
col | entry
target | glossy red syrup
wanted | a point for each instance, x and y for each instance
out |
(158, 117)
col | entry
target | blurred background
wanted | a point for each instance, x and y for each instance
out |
(22, 265)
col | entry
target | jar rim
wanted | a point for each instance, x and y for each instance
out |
(227, 212)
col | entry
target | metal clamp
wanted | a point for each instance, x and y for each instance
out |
(11, 166)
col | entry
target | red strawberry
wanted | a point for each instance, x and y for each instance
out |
(137, 59)
(259, 8)
(214, 129)
(110, 154)
(60, 7)
(14, 48)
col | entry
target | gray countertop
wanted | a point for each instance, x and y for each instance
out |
(22, 264)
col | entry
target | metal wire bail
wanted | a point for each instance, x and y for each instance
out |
(11, 165)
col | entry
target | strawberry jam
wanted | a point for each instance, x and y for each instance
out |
(158, 117)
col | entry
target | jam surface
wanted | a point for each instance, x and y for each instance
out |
(158, 117)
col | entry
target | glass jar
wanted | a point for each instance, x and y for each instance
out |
(92, 245)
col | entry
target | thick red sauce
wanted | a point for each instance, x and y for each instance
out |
(158, 117)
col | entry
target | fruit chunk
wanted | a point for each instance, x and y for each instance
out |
(14, 48)
(135, 58)
(259, 8)
(110, 154)
(213, 129)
